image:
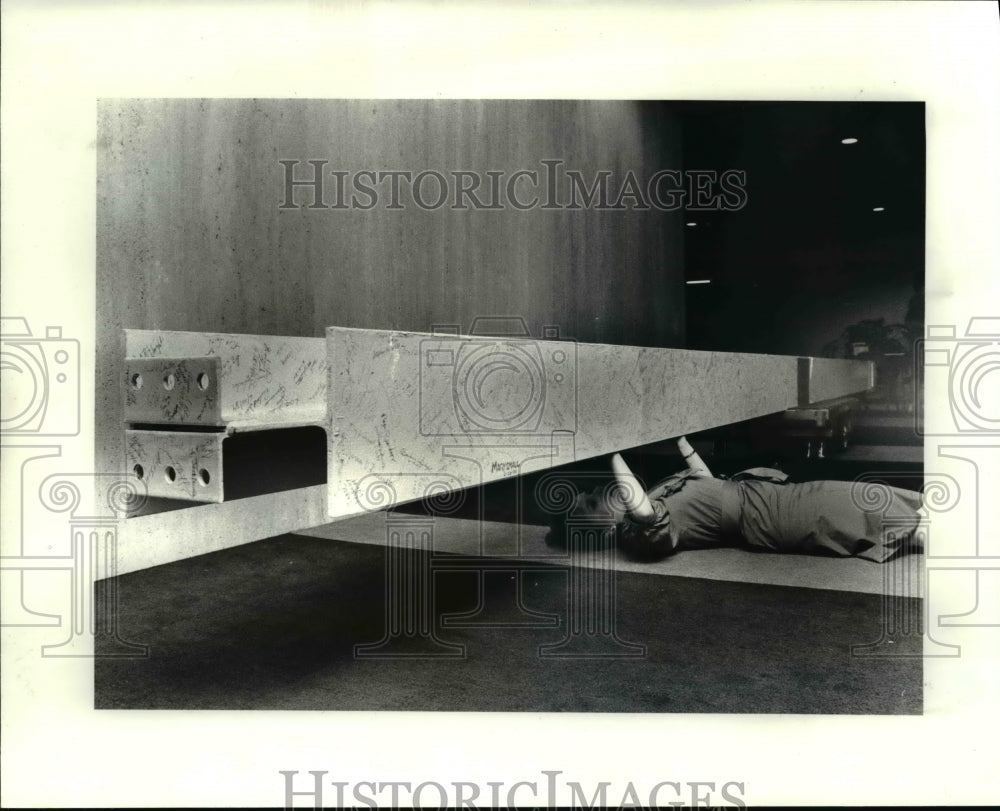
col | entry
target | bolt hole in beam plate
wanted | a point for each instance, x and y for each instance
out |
(184, 465)
(240, 382)
(173, 391)
(187, 464)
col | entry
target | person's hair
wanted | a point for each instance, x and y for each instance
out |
(647, 544)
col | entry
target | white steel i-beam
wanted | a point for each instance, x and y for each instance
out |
(185, 392)
(414, 415)
(236, 382)
(410, 415)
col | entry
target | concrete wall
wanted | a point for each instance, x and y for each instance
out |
(191, 236)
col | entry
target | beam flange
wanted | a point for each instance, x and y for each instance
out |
(173, 391)
(180, 465)
(240, 382)
(152, 540)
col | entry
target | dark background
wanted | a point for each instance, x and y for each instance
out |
(807, 256)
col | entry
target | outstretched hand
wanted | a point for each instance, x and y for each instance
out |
(691, 457)
(636, 501)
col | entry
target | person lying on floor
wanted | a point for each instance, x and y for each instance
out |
(758, 508)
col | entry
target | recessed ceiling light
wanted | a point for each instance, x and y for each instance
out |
(848, 140)
(879, 208)
(698, 281)
(690, 224)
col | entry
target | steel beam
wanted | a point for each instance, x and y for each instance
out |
(152, 540)
(823, 379)
(414, 415)
(232, 383)
(239, 382)
(181, 465)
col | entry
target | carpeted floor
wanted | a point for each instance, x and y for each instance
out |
(273, 625)
(900, 575)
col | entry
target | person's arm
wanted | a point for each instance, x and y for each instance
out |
(691, 457)
(636, 501)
